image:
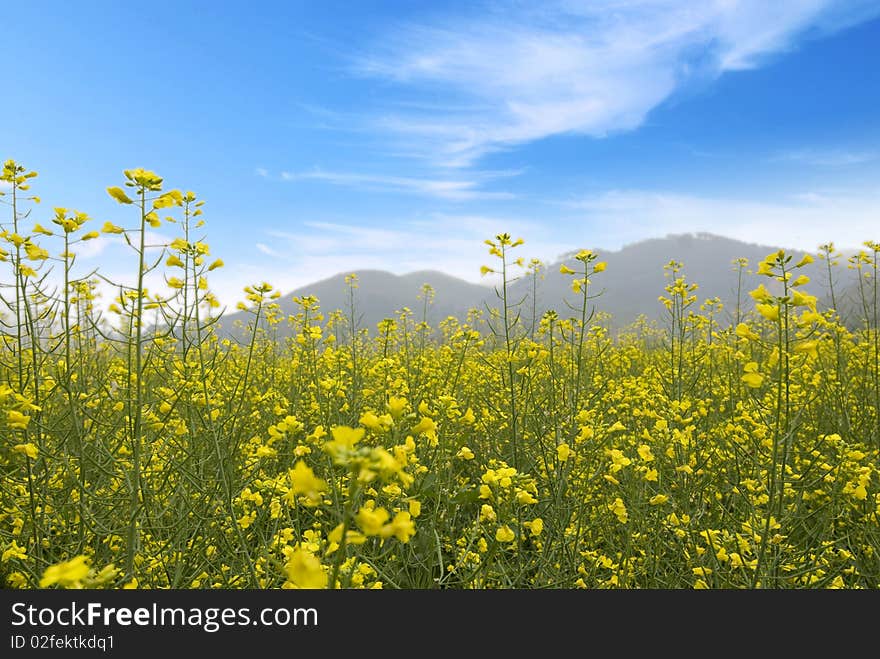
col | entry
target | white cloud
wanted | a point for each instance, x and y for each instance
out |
(453, 243)
(153, 241)
(589, 67)
(827, 158)
(262, 172)
(452, 189)
(449, 243)
(265, 249)
(803, 221)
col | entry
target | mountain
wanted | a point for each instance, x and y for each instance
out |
(630, 285)
(634, 278)
(381, 295)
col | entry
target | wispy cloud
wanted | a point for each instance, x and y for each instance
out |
(449, 243)
(592, 67)
(117, 248)
(608, 220)
(265, 249)
(458, 189)
(802, 221)
(827, 158)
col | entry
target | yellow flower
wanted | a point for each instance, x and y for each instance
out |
(15, 419)
(658, 499)
(619, 509)
(804, 261)
(377, 423)
(426, 426)
(765, 268)
(761, 294)
(304, 570)
(769, 311)
(808, 347)
(67, 574)
(752, 378)
(799, 299)
(860, 493)
(745, 332)
(465, 453)
(247, 519)
(564, 269)
(17, 580)
(35, 252)
(401, 527)
(468, 417)
(645, 453)
(216, 264)
(370, 420)
(344, 439)
(808, 317)
(504, 534)
(536, 526)
(119, 195)
(396, 406)
(13, 551)
(563, 452)
(27, 449)
(371, 520)
(265, 452)
(303, 481)
(618, 460)
(525, 498)
(485, 270)
(600, 266)
(109, 227)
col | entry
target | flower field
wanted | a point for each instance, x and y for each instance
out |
(144, 448)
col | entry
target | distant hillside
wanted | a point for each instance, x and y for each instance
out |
(382, 294)
(630, 285)
(635, 278)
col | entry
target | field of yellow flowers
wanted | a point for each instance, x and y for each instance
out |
(143, 448)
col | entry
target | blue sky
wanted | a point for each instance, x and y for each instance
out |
(331, 136)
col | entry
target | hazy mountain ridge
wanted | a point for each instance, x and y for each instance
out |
(634, 278)
(380, 294)
(630, 286)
